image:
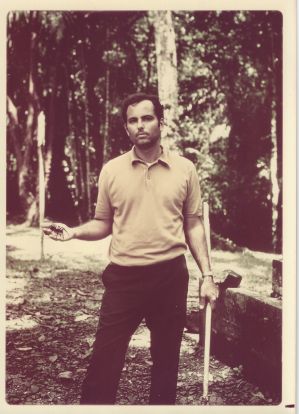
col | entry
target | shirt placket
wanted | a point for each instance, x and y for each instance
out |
(148, 175)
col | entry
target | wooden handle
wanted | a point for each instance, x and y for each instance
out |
(207, 350)
(208, 318)
(206, 224)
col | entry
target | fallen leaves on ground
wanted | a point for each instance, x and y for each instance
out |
(52, 329)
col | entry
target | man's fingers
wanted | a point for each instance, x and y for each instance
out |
(213, 299)
(53, 230)
(47, 227)
(213, 302)
(202, 302)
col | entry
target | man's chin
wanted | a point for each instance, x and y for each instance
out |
(145, 144)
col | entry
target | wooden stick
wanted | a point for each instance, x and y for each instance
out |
(207, 350)
(208, 309)
(206, 223)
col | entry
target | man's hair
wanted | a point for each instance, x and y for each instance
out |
(138, 97)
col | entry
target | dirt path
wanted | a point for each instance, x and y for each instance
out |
(52, 314)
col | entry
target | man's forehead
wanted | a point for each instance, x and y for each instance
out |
(145, 106)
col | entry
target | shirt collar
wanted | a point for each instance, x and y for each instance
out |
(163, 159)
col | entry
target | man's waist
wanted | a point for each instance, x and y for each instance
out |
(141, 262)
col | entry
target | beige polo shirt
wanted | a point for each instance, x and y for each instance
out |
(147, 205)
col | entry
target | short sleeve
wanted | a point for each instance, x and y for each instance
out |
(193, 202)
(103, 209)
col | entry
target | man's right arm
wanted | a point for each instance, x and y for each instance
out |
(92, 230)
(96, 229)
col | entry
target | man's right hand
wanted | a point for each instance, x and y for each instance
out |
(58, 231)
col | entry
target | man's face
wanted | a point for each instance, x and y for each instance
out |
(142, 125)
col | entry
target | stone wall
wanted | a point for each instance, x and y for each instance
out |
(246, 331)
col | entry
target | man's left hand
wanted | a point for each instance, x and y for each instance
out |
(208, 291)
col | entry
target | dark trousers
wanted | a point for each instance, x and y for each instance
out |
(156, 293)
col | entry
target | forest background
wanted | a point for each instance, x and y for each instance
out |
(218, 74)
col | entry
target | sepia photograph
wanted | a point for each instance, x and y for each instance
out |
(145, 242)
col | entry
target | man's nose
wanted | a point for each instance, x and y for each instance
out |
(139, 124)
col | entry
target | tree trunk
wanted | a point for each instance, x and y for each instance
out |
(87, 158)
(81, 179)
(106, 146)
(41, 125)
(28, 197)
(24, 148)
(71, 149)
(50, 122)
(275, 189)
(167, 72)
(74, 150)
(86, 130)
(273, 172)
(14, 131)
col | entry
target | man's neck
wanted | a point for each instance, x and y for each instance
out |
(149, 154)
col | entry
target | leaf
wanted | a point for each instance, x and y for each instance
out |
(34, 388)
(259, 395)
(48, 317)
(132, 399)
(80, 318)
(53, 358)
(42, 338)
(82, 293)
(81, 370)
(91, 304)
(65, 375)
(25, 348)
(87, 354)
(90, 340)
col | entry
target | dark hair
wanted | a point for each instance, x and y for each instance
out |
(138, 97)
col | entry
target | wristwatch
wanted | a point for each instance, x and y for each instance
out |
(207, 274)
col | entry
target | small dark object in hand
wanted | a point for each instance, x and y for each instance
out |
(56, 229)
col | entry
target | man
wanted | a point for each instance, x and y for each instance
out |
(149, 200)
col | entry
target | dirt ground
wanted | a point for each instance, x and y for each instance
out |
(52, 313)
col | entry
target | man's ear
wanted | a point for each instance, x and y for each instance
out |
(162, 123)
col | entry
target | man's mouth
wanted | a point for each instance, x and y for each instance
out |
(142, 135)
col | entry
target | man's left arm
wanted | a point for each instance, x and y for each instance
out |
(196, 240)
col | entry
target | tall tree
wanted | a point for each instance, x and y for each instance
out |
(167, 71)
(274, 68)
(24, 133)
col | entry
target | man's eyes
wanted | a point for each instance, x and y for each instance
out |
(146, 118)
